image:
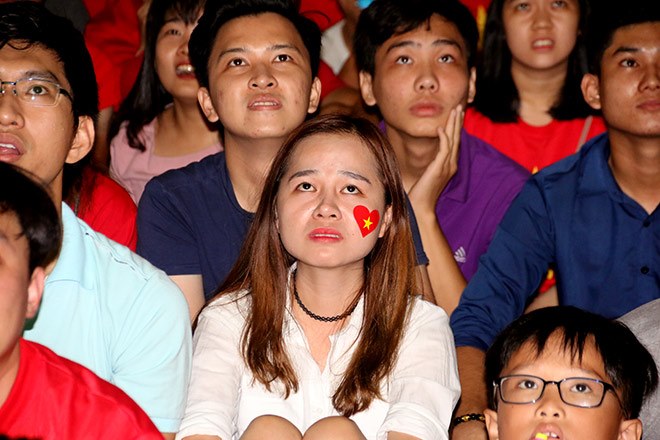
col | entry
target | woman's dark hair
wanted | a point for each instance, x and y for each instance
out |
(21, 195)
(628, 364)
(148, 98)
(497, 96)
(263, 265)
(384, 19)
(218, 13)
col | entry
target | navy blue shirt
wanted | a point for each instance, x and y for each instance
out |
(189, 223)
(605, 248)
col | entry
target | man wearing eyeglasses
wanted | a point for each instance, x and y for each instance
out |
(103, 306)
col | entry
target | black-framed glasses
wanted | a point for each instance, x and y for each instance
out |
(35, 91)
(583, 392)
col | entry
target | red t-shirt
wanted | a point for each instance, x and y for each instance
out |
(533, 147)
(107, 208)
(55, 398)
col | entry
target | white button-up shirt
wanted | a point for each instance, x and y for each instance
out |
(418, 396)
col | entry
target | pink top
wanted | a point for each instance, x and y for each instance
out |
(133, 168)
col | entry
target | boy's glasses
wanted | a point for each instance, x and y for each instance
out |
(582, 392)
(36, 91)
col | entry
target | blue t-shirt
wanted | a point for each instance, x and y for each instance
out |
(113, 312)
(189, 222)
(604, 245)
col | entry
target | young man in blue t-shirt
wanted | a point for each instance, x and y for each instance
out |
(258, 80)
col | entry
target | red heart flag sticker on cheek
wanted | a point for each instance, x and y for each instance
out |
(367, 221)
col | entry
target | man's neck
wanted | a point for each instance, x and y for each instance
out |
(413, 155)
(9, 363)
(635, 164)
(248, 163)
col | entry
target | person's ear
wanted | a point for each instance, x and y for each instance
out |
(204, 99)
(385, 222)
(491, 424)
(35, 291)
(630, 430)
(314, 95)
(366, 88)
(472, 84)
(591, 90)
(83, 140)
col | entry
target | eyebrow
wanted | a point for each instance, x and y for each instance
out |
(355, 176)
(41, 74)
(351, 174)
(273, 48)
(436, 43)
(625, 49)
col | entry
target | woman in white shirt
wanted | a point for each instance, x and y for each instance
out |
(317, 332)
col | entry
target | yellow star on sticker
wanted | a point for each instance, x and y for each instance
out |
(367, 223)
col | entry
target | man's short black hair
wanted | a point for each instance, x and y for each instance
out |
(30, 202)
(611, 15)
(384, 19)
(24, 24)
(628, 365)
(218, 13)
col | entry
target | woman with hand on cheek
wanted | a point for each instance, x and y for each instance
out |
(318, 331)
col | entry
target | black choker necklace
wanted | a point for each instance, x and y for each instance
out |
(319, 317)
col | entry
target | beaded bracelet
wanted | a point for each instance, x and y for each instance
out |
(468, 418)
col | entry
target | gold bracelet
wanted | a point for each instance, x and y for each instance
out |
(468, 418)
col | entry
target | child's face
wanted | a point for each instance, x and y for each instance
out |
(260, 79)
(329, 175)
(541, 34)
(550, 415)
(419, 77)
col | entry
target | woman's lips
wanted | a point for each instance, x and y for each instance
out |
(426, 109)
(325, 234)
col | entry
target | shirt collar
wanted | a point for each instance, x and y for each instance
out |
(70, 264)
(595, 175)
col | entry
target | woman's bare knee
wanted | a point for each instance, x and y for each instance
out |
(270, 426)
(333, 428)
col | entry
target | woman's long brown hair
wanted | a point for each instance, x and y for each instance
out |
(262, 270)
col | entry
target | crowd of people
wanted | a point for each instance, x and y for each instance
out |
(405, 226)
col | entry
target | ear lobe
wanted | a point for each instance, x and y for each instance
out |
(35, 291)
(472, 85)
(385, 222)
(366, 88)
(204, 99)
(491, 424)
(83, 140)
(314, 95)
(630, 430)
(591, 90)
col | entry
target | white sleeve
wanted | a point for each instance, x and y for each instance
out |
(217, 368)
(424, 386)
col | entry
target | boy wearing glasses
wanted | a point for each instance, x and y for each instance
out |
(563, 373)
